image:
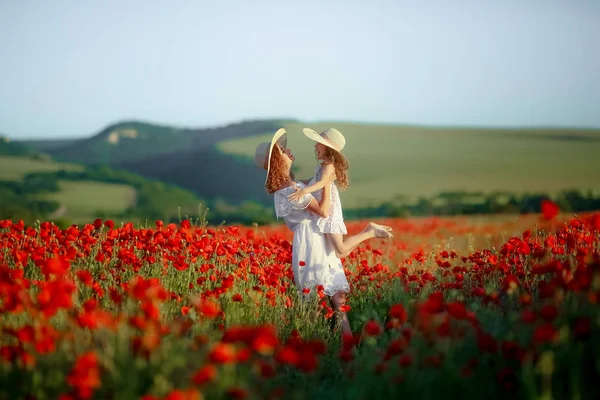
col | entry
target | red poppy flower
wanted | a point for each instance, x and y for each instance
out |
(223, 353)
(549, 209)
(398, 311)
(372, 328)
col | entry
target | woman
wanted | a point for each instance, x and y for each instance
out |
(314, 260)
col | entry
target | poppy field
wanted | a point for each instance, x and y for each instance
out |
(481, 307)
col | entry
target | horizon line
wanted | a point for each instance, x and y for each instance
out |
(296, 120)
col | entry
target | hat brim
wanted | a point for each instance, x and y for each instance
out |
(313, 135)
(281, 137)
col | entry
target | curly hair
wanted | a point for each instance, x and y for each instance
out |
(341, 168)
(278, 174)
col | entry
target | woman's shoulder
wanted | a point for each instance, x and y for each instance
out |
(284, 206)
(291, 188)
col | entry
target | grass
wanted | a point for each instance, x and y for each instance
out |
(83, 200)
(14, 168)
(390, 161)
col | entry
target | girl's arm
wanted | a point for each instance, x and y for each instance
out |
(327, 176)
(321, 208)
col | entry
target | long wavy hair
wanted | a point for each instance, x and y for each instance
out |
(341, 167)
(278, 174)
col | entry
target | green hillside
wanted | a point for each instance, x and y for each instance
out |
(122, 142)
(187, 158)
(47, 190)
(390, 161)
(390, 164)
(208, 173)
(132, 141)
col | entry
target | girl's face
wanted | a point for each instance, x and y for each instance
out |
(320, 149)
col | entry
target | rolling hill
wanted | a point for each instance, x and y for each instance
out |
(207, 172)
(83, 193)
(185, 157)
(125, 143)
(76, 201)
(387, 161)
(409, 162)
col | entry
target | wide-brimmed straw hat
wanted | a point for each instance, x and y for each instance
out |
(262, 154)
(331, 138)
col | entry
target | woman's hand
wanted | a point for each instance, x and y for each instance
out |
(297, 195)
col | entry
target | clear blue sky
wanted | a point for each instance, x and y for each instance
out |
(69, 68)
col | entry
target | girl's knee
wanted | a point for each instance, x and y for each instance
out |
(342, 248)
(342, 255)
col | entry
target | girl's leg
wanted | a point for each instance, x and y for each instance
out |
(337, 301)
(344, 246)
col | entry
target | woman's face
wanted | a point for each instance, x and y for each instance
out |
(287, 154)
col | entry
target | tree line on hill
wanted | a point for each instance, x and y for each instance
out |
(156, 200)
(465, 203)
(9, 148)
(18, 201)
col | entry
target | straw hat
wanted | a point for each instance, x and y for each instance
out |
(331, 138)
(262, 154)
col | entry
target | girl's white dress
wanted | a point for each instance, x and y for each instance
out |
(320, 264)
(335, 222)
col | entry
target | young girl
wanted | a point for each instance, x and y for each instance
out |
(328, 147)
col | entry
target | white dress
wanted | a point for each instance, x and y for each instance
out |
(314, 261)
(335, 222)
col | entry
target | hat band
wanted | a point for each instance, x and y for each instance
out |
(331, 143)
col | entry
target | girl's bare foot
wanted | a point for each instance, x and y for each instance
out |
(381, 231)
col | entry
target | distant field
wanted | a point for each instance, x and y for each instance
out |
(82, 200)
(79, 200)
(389, 161)
(12, 168)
